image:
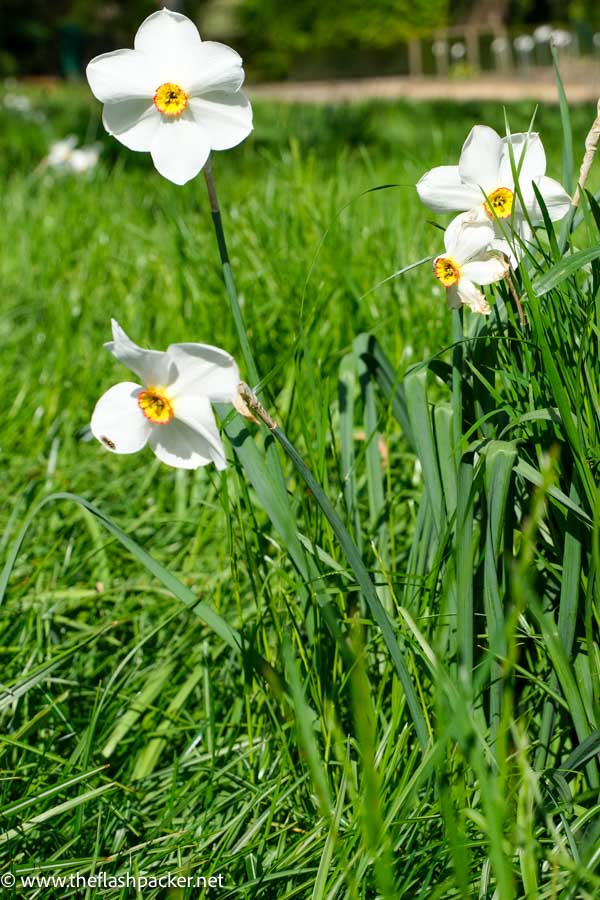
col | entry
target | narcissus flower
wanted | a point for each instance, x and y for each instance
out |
(171, 410)
(467, 262)
(483, 181)
(174, 95)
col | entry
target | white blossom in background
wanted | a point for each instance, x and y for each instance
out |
(60, 151)
(561, 38)
(524, 43)
(483, 182)
(171, 409)
(65, 156)
(17, 103)
(542, 34)
(500, 45)
(21, 104)
(174, 95)
(468, 262)
(83, 159)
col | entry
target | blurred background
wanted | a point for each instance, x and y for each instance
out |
(316, 39)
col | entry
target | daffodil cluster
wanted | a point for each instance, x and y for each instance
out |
(495, 187)
(179, 98)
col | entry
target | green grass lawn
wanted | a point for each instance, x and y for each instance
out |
(134, 739)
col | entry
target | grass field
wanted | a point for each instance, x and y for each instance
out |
(134, 738)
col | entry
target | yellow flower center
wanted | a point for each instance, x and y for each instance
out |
(155, 405)
(446, 270)
(499, 203)
(170, 99)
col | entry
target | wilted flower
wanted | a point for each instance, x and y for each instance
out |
(171, 410)
(174, 95)
(467, 262)
(483, 181)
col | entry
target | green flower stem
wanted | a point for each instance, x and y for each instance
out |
(232, 294)
(354, 561)
(457, 379)
(515, 295)
(464, 501)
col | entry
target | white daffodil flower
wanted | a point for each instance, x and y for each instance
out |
(174, 95)
(171, 410)
(467, 262)
(483, 182)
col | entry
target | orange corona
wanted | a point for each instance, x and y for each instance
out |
(446, 270)
(156, 406)
(499, 203)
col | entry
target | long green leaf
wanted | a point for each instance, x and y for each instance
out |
(172, 584)
(567, 616)
(568, 266)
(499, 463)
(565, 118)
(421, 425)
(365, 583)
(346, 394)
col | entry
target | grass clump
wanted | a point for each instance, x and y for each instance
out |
(135, 738)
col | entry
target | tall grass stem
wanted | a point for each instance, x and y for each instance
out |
(354, 561)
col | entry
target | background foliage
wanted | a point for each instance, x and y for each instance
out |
(276, 38)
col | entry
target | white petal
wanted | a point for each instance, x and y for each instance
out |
(196, 412)
(472, 297)
(133, 122)
(180, 446)
(180, 148)
(215, 67)
(121, 75)
(529, 149)
(118, 422)
(172, 42)
(227, 118)
(203, 370)
(166, 31)
(514, 251)
(153, 367)
(467, 235)
(485, 270)
(558, 202)
(480, 159)
(442, 190)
